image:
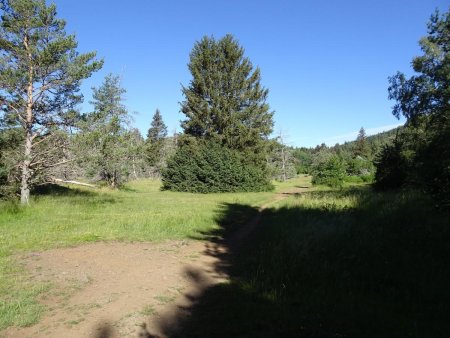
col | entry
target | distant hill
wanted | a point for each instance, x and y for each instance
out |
(376, 142)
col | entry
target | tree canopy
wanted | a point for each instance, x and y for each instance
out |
(40, 76)
(424, 99)
(225, 100)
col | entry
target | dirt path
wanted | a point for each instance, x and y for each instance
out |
(110, 289)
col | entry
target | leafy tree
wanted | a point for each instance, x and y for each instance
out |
(303, 158)
(424, 99)
(225, 100)
(329, 169)
(105, 144)
(40, 75)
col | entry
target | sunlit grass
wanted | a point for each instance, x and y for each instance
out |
(72, 216)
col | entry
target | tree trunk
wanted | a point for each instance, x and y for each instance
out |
(26, 170)
(283, 161)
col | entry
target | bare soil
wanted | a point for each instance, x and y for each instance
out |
(119, 289)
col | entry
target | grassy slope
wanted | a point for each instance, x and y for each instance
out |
(349, 263)
(65, 217)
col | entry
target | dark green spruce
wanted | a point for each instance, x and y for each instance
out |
(226, 112)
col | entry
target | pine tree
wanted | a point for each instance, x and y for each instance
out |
(155, 143)
(105, 143)
(361, 145)
(157, 130)
(40, 75)
(225, 100)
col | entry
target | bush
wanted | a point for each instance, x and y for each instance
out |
(331, 172)
(208, 167)
(369, 178)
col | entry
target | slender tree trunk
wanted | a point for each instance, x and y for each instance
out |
(134, 169)
(26, 170)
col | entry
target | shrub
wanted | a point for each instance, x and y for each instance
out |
(331, 172)
(207, 167)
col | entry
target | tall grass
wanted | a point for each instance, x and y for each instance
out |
(335, 263)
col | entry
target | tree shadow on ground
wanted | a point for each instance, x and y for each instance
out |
(316, 268)
(75, 195)
(60, 190)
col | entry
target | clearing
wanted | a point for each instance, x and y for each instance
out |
(109, 289)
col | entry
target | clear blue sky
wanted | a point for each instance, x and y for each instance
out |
(325, 62)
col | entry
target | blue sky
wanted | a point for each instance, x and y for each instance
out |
(325, 62)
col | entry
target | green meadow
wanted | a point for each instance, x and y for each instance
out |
(347, 262)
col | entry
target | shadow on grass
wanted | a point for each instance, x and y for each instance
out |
(76, 196)
(316, 267)
(60, 190)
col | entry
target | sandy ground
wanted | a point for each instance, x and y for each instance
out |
(109, 290)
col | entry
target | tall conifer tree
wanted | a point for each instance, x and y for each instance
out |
(225, 100)
(40, 75)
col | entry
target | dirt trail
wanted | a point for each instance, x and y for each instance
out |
(109, 289)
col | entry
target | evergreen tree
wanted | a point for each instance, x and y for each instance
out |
(424, 99)
(361, 146)
(156, 142)
(105, 144)
(226, 112)
(40, 75)
(225, 100)
(157, 130)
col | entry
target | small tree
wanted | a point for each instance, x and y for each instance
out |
(329, 169)
(158, 129)
(281, 159)
(40, 75)
(361, 147)
(105, 144)
(155, 142)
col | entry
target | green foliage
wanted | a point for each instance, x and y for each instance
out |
(40, 77)
(329, 170)
(158, 129)
(10, 139)
(156, 141)
(281, 162)
(229, 119)
(303, 160)
(361, 148)
(359, 166)
(225, 100)
(424, 99)
(205, 166)
(105, 144)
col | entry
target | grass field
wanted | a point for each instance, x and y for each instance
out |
(325, 263)
(335, 263)
(67, 216)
